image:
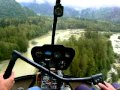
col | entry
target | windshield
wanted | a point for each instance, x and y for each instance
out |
(90, 27)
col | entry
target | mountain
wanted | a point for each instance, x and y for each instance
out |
(47, 9)
(103, 13)
(10, 8)
(106, 13)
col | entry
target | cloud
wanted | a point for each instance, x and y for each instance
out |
(38, 1)
(80, 3)
(91, 3)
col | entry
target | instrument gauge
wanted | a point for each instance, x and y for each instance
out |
(57, 55)
(38, 54)
(67, 55)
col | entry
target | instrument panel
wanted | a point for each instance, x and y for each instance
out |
(53, 56)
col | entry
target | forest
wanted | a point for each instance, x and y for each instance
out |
(15, 32)
(92, 25)
(93, 49)
(11, 9)
(93, 54)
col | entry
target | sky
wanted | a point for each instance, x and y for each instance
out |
(81, 3)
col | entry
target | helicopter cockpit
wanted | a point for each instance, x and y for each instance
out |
(51, 60)
(55, 58)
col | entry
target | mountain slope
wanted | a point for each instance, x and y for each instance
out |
(10, 8)
(47, 9)
(107, 13)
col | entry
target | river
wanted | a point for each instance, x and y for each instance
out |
(116, 48)
(21, 68)
(115, 43)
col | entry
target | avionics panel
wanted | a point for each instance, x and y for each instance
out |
(53, 56)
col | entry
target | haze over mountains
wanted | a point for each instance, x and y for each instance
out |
(11, 8)
(103, 13)
(106, 13)
(47, 9)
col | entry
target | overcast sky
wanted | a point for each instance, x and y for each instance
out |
(81, 3)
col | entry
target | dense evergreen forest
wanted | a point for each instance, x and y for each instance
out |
(92, 25)
(94, 54)
(93, 50)
(10, 9)
(15, 32)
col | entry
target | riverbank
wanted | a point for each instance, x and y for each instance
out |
(115, 43)
(116, 48)
(21, 68)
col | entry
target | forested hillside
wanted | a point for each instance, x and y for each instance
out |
(15, 32)
(92, 25)
(10, 8)
(106, 13)
(46, 9)
(103, 13)
(93, 54)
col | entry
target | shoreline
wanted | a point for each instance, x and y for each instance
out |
(21, 68)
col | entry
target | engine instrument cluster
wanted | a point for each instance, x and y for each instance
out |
(53, 56)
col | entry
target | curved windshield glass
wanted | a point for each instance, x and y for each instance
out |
(90, 27)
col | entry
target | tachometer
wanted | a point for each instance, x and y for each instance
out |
(38, 54)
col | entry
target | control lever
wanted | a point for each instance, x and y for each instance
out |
(10, 66)
(97, 79)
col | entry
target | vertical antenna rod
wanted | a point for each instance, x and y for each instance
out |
(54, 29)
(58, 12)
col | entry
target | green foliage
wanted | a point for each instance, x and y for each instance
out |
(118, 70)
(94, 54)
(10, 8)
(114, 77)
(15, 33)
(14, 30)
(91, 25)
(118, 37)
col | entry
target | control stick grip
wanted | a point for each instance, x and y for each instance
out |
(10, 66)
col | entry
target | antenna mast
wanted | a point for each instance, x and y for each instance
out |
(58, 12)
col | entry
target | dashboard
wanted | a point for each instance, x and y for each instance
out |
(53, 56)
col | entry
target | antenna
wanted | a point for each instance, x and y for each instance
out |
(58, 12)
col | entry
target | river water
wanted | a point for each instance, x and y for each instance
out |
(115, 43)
(116, 48)
(21, 68)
